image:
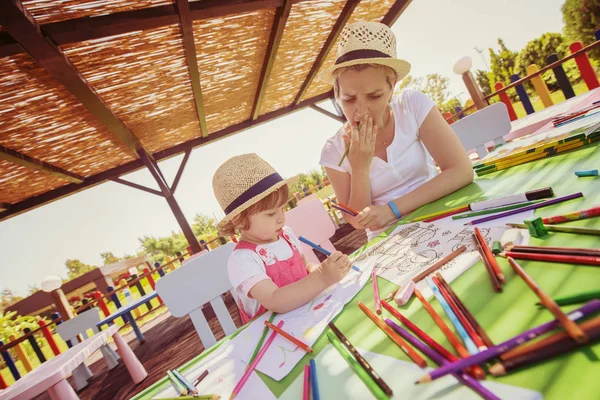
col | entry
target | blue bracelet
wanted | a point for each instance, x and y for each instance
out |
(395, 209)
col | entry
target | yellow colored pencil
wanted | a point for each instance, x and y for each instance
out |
(435, 214)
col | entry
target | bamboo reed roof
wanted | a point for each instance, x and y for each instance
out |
(93, 89)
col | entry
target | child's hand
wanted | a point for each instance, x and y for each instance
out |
(335, 267)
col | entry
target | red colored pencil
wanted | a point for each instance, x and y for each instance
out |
(289, 337)
(488, 267)
(460, 210)
(557, 258)
(347, 208)
(490, 257)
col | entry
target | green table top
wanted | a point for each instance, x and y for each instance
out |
(502, 315)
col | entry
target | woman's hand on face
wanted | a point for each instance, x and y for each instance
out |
(375, 217)
(362, 143)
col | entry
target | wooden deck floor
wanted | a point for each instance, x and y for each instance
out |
(174, 341)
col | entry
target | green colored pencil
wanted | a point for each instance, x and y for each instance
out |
(262, 339)
(577, 298)
(357, 368)
(346, 152)
(563, 229)
(176, 383)
(495, 210)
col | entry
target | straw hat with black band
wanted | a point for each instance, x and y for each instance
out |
(242, 181)
(366, 43)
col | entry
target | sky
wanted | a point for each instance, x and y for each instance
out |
(431, 35)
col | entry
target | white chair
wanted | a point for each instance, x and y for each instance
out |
(312, 221)
(308, 198)
(201, 280)
(79, 325)
(487, 125)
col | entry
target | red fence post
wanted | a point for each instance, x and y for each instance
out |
(49, 337)
(506, 100)
(151, 281)
(101, 303)
(583, 62)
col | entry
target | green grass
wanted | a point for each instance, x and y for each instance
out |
(557, 97)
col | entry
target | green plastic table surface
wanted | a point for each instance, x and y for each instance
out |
(502, 315)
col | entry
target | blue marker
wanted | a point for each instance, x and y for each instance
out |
(321, 250)
(313, 380)
(591, 172)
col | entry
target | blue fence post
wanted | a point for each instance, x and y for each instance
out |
(523, 96)
(115, 299)
(561, 77)
(597, 34)
(10, 363)
(140, 288)
(35, 346)
(459, 112)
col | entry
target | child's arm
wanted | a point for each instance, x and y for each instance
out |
(310, 267)
(294, 295)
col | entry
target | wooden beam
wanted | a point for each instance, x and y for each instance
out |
(88, 28)
(186, 157)
(137, 186)
(8, 46)
(17, 21)
(189, 48)
(132, 166)
(328, 113)
(279, 21)
(4, 206)
(21, 159)
(333, 35)
(395, 11)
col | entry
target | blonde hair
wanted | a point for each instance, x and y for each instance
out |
(391, 76)
(242, 221)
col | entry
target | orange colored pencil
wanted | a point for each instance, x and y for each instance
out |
(394, 336)
(347, 208)
(490, 256)
(439, 264)
(488, 267)
(289, 337)
(454, 341)
(570, 326)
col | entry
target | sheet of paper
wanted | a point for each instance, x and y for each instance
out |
(305, 323)
(337, 381)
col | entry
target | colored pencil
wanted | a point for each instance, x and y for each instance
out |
(321, 250)
(348, 208)
(489, 255)
(198, 397)
(555, 258)
(261, 340)
(254, 363)
(575, 251)
(343, 210)
(470, 329)
(438, 213)
(512, 199)
(571, 327)
(439, 264)
(550, 347)
(289, 337)
(376, 292)
(403, 295)
(527, 208)
(177, 384)
(417, 359)
(306, 391)
(576, 298)
(439, 360)
(563, 229)
(460, 329)
(347, 150)
(454, 341)
(495, 351)
(572, 216)
(422, 335)
(392, 294)
(480, 331)
(488, 267)
(361, 360)
(460, 210)
(314, 384)
(357, 368)
(200, 378)
(495, 210)
(188, 385)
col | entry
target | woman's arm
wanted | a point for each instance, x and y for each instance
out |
(456, 172)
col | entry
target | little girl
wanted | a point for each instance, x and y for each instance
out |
(266, 269)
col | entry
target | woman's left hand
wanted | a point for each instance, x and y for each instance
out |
(376, 217)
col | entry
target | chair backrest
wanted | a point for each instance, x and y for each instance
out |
(312, 221)
(308, 198)
(79, 325)
(199, 254)
(487, 125)
(199, 281)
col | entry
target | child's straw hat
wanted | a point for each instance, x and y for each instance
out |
(366, 43)
(242, 181)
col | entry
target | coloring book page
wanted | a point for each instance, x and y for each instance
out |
(305, 323)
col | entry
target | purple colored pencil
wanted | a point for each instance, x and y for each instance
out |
(530, 207)
(343, 210)
(495, 351)
(439, 360)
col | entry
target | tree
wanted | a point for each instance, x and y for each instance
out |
(7, 298)
(435, 87)
(204, 225)
(409, 82)
(483, 80)
(582, 19)
(32, 289)
(109, 258)
(502, 66)
(77, 268)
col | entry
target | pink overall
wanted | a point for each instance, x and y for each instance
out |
(282, 272)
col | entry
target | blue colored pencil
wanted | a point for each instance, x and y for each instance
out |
(469, 344)
(321, 250)
(189, 386)
(313, 380)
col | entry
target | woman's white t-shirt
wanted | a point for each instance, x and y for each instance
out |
(409, 163)
(246, 268)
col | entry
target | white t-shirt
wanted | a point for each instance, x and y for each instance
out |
(409, 163)
(246, 268)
